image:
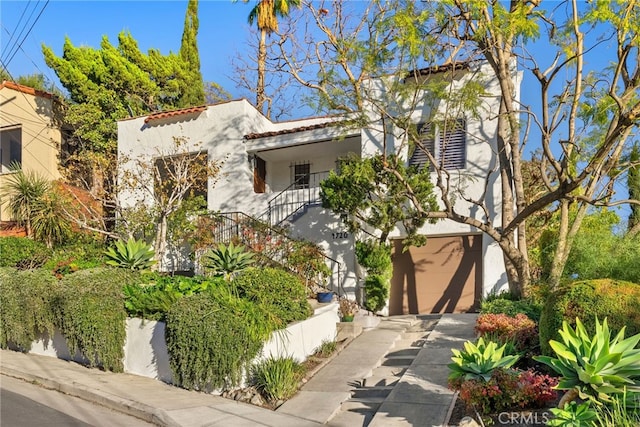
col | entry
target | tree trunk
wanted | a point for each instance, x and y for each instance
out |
(161, 242)
(262, 61)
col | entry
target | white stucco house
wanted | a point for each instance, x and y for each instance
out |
(272, 171)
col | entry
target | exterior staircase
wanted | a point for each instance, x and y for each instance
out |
(294, 200)
(273, 245)
(368, 394)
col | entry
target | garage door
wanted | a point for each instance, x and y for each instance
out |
(444, 276)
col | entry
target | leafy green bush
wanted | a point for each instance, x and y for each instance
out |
(91, 314)
(78, 256)
(376, 289)
(616, 300)
(511, 307)
(154, 294)
(278, 292)
(22, 251)
(594, 366)
(132, 254)
(212, 337)
(277, 378)
(25, 299)
(374, 257)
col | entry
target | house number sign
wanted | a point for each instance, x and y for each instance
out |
(340, 235)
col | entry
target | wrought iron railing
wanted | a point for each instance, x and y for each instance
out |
(295, 198)
(273, 246)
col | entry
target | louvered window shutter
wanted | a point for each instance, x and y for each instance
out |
(453, 146)
(419, 157)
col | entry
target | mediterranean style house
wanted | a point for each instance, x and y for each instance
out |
(30, 133)
(272, 171)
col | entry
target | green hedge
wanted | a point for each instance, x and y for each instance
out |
(279, 292)
(26, 306)
(22, 252)
(91, 314)
(212, 337)
(616, 300)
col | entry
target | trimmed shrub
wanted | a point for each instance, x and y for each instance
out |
(25, 299)
(212, 337)
(91, 314)
(519, 329)
(278, 292)
(376, 288)
(616, 300)
(511, 307)
(506, 389)
(22, 252)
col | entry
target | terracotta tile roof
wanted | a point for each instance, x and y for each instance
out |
(452, 66)
(166, 114)
(26, 89)
(293, 130)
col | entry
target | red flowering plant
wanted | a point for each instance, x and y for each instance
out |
(519, 330)
(506, 389)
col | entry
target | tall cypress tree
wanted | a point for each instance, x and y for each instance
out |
(192, 87)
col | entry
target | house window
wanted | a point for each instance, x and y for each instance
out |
(10, 149)
(301, 175)
(183, 172)
(447, 144)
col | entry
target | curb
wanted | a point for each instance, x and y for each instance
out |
(125, 406)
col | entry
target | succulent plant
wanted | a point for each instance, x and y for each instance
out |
(594, 367)
(133, 254)
(479, 360)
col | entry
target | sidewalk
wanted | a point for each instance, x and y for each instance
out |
(420, 398)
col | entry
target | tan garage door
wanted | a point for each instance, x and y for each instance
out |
(444, 276)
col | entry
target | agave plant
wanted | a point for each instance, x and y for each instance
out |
(133, 254)
(594, 367)
(573, 415)
(228, 259)
(479, 360)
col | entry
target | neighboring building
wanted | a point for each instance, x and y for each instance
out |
(272, 171)
(30, 133)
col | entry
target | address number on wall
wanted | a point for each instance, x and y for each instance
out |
(340, 235)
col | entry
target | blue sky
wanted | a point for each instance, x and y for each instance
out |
(154, 24)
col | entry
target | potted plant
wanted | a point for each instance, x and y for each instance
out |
(324, 296)
(348, 309)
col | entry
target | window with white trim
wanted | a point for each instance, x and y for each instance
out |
(447, 143)
(10, 149)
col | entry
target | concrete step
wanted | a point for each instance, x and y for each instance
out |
(385, 376)
(367, 392)
(409, 352)
(354, 414)
(398, 361)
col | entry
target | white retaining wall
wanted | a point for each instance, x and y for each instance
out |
(145, 349)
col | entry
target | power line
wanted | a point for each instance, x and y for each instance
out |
(46, 74)
(19, 45)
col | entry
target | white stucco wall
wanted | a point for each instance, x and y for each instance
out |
(145, 349)
(221, 130)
